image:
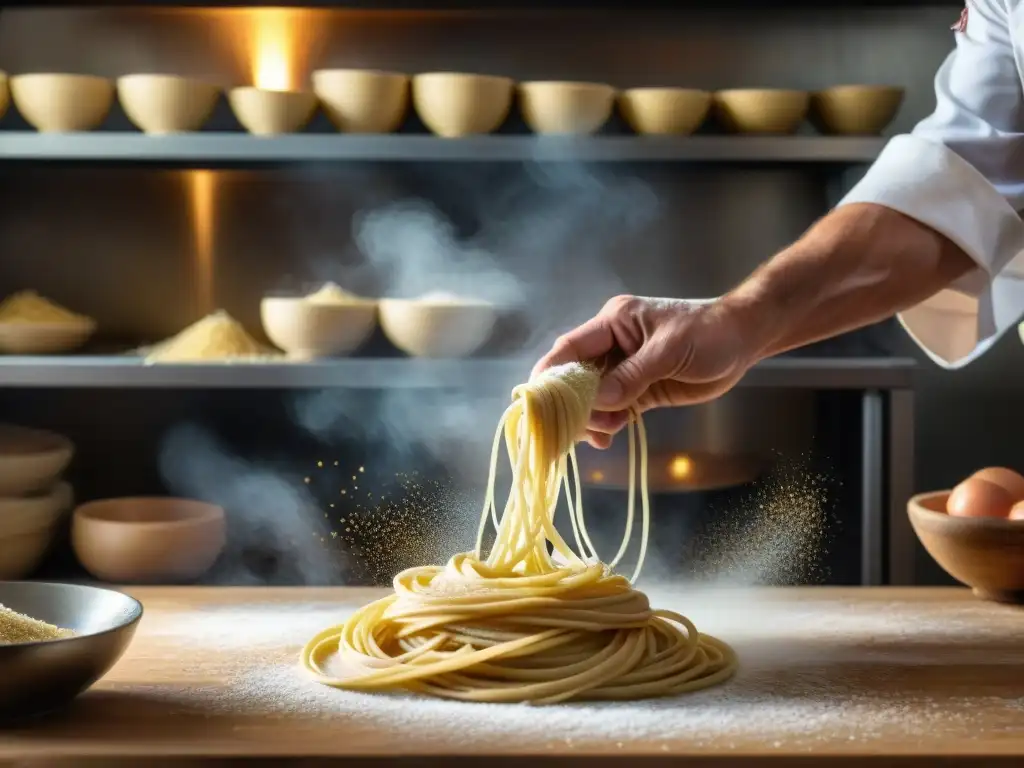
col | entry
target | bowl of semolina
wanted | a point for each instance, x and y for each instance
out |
(33, 325)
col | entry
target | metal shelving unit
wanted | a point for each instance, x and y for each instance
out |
(124, 371)
(226, 148)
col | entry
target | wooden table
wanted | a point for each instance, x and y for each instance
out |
(878, 676)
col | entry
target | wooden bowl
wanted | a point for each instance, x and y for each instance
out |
(761, 110)
(308, 330)
(160, 104)
(566, 108)
(35, 512)
(363, 100)
(5, 93)
(61, 103)
(855, 110)
(664, 111)
(269, 113)
(148, 540)
(434, 328)
(31, 459)
(31, 338)
(453, 104)
(985, 553)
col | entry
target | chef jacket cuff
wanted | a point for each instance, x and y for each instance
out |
(932, 184)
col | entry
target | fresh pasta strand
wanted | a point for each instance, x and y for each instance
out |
(535, 620)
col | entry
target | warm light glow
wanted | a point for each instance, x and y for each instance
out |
(597, 476)
(680, 467)
(276, 36)
(201, 202)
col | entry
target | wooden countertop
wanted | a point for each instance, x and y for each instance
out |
(869, 674)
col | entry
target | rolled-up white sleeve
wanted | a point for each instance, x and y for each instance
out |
(961, 172)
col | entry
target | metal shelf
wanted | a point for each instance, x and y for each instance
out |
(484, 5)
(240, 148)
(124, 371)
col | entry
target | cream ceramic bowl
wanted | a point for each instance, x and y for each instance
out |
(27, 514)
(566, 108)
(762, 110)
(44, 338)
(453, 104)
(160, 104)
(308, 330)
(437, 328)
(664, 111)
(21, 554)
(268, 113)
(61, 103)
(5, 93)
(31, 459)
(852, 110)
(362, 100)
(148, 539)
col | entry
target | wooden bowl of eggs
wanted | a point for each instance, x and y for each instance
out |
(976, 532)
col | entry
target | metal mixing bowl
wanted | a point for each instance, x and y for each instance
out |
(42, 676)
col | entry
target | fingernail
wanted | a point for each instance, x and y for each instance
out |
(610, 393)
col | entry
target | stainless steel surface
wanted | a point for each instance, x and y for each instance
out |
(39, 677)
(761, 415)
(872, 488)
(903, 545)
(225, 148)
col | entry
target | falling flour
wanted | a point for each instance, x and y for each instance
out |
(821, 670)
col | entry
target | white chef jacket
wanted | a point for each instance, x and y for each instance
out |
(961, 172)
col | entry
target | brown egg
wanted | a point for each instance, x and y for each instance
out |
(979, 498)
(1012, 481)
(1017, 511)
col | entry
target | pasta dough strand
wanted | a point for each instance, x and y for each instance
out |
(533, 620)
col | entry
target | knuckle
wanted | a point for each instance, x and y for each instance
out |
(622, 304)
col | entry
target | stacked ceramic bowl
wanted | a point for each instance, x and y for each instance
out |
(33, 498)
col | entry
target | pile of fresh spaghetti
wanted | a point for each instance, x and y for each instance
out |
(536, 620)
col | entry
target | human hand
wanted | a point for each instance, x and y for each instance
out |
(669, 352)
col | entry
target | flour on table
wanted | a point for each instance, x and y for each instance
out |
(820, 670)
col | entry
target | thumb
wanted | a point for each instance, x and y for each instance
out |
(627, 381)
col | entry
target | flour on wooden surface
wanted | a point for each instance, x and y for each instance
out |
(818, 670)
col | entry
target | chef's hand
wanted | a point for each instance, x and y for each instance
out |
(669, 351)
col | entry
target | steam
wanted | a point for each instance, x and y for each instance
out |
(271, 521)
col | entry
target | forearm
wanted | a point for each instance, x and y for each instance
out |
(860, 264)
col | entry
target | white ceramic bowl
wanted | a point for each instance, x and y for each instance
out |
(362, 100)
(61, 103)
(31, 459)
(435, 328)
(453, 104)
(160, 104)
(565, 107)
(307, 330)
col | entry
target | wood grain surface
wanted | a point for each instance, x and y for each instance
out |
(888, 676)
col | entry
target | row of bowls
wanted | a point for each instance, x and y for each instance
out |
(305, 330)
(450, 104)
(116, 540)
(425, 327)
